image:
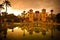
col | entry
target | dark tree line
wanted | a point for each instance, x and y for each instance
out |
(58, 21)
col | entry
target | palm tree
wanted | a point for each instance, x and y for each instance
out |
(1, 7)
(51, 13)
(7, 3)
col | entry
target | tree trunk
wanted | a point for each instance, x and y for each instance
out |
(6, 6)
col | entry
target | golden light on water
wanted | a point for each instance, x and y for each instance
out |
(9, 30)
(16, 28)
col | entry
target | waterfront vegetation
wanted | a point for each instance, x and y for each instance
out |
(31, 21)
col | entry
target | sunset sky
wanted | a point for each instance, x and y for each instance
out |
(20, 5)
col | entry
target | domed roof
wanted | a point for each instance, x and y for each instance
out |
(36, 11)
(30, 10)
(43, 9)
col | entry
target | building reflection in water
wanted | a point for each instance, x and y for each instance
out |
(31, 31)
(26, 31)
(37, 31)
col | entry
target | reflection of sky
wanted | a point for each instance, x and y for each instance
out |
(35, 4)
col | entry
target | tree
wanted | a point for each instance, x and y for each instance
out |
(7, 3)
(23, 16)
(1, 7)
(51, 14)
(58, 21)
(58, 18)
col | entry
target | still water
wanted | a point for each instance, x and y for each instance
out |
(31, 32)
(24, 34)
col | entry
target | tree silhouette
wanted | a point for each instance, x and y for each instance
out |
(51, 14)
(23, 16)
(1, 7)
(7, 3)
(58, 18)
(24, 13)
(52, 28)
(58, 21)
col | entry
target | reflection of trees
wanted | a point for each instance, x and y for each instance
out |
(44, 32)
(37, 29)
(58, 21)
(12, 23)
(52, 24)
(30, 32)
(31, 28)
(24, 32)
(1, 7)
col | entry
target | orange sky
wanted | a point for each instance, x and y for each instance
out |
(35, 4)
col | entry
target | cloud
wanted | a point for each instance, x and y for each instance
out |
(36, 4)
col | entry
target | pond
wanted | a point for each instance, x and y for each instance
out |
(20, 34)
(32, 33)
